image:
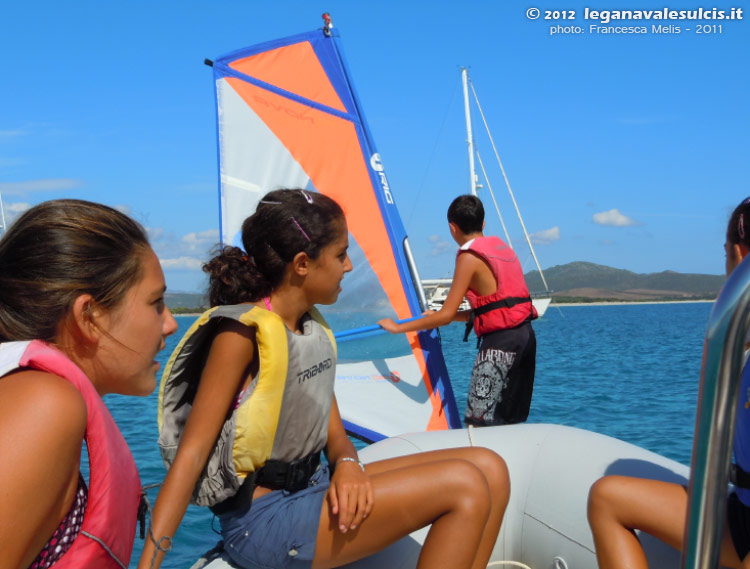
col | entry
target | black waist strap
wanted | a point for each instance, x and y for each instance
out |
(740, 478)
(289, 476)
(504, 303)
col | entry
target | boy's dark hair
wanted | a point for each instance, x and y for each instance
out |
(467, 212)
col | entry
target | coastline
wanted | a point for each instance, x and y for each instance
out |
(563, 304)
(625, 302)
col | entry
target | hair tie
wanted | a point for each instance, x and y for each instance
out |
(300, 228)
(307, 196)
(741, 226)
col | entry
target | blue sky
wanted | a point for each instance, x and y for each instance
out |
(628, 150)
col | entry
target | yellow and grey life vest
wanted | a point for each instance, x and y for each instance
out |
(282, 415)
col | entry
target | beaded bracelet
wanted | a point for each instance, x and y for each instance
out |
(350, 459)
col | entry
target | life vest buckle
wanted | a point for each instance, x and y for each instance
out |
(290, 476)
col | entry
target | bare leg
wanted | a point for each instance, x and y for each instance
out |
(496, 473)
(618, 505)
(461, 492)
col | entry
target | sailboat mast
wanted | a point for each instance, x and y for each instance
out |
(469, 135)
(465, 80)
(2, 216)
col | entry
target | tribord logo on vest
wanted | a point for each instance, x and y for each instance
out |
(312, 371)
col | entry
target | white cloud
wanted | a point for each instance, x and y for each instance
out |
(155, 233)
(13, 210)
(614, 218)
(44, 185)
(17, 208)
(439, 245)
(546, 236)
(12, 133)
(191, 263)
(6, 162)
(201, 240)
(642, 120)
(189, 251)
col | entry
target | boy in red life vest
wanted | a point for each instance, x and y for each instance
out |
(489, 275)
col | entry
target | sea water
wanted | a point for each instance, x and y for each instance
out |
(627, 371)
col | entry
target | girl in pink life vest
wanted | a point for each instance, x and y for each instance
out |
(82, 314)
(296, 257)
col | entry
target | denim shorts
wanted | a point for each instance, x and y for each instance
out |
(280, 528)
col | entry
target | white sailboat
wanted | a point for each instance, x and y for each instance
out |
(541, 301)
(436, 291)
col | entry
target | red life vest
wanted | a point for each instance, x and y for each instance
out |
(512, 293)
(108, 530)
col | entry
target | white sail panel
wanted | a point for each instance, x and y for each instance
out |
(250, 166)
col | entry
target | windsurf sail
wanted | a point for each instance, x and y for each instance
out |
(288, 117)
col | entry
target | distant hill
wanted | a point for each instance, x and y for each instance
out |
(185, 301)
(577, 281)
(581, 280)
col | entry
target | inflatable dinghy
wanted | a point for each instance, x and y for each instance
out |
(551, 469)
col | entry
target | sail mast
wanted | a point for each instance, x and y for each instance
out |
(469, 135)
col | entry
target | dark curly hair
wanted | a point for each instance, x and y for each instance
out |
(286, 222)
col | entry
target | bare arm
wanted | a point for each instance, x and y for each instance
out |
(42, 422)
(350, 494)
(227, 367)
(466, 266)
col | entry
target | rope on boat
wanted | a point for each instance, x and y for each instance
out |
(497, 209)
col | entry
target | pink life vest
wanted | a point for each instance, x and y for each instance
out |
(512, 296)
(108, 530)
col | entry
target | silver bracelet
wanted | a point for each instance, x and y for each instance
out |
(350, 459)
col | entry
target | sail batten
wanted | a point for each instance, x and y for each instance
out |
(229, 72)
(288, 116)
